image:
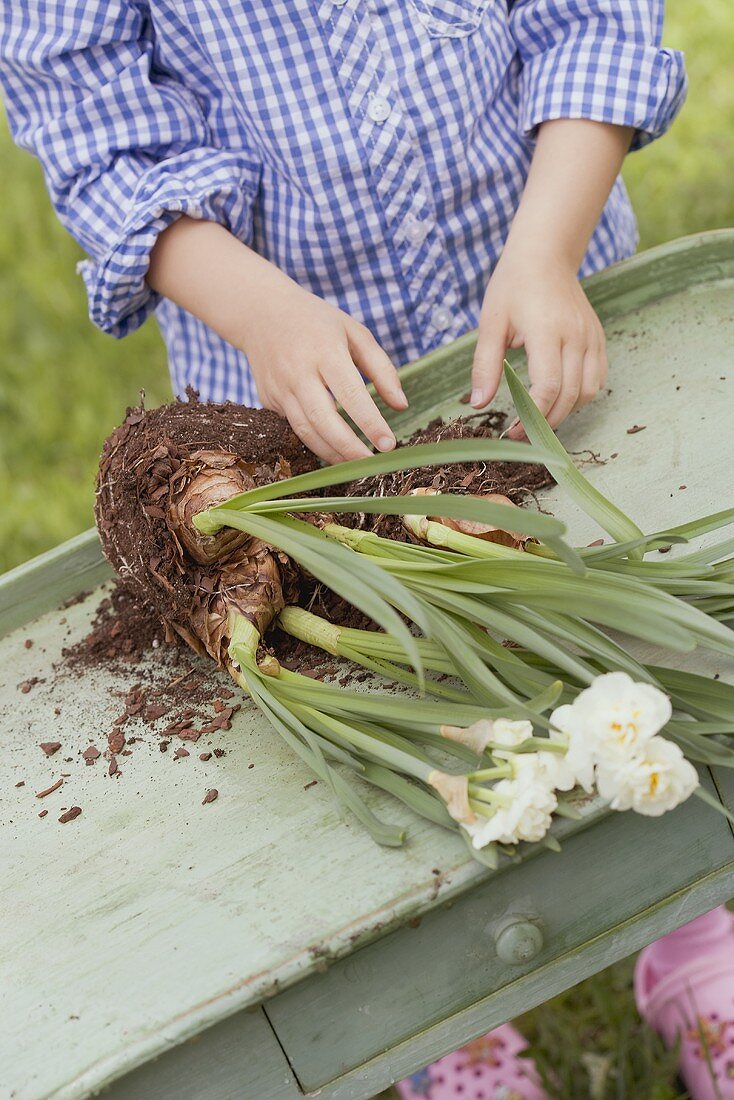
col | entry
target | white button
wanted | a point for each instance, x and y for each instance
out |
(338, 3)
(441, 319)
(378, 109)
(415, 231)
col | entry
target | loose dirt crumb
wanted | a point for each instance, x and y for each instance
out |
(70, 815)
(49, 790)
(116, 741)
(210, 796)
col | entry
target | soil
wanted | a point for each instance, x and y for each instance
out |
(124, 627)
(179, 696)
(516, 480)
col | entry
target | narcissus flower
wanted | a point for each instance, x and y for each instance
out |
(616, 715)
(454, 791)
(509, 732)
(576, 766)
(527, 815)
(476, 737)
(656, 779)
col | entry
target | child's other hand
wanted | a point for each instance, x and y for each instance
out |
(303, 350)
(536, 302)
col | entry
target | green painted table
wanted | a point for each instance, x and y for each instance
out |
(260, 948)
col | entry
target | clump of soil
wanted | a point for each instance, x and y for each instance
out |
(124, 628)
(161, 467)
(180, 687)
(516, 480)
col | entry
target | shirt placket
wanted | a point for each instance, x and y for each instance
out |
(395, 169)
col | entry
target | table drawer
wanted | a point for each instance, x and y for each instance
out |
(516, 922)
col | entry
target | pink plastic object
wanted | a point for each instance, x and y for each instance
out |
(684, 987)
(486, 1069)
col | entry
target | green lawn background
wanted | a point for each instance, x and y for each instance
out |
(64, 385)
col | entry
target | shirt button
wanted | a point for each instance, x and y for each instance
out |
(441, 319)
(378, 109)
(415, 231)
(338, 3)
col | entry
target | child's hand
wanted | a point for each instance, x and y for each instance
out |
(537, 303)
(534, 299)
(302, 351)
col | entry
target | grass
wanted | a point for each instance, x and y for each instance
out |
(64, 386)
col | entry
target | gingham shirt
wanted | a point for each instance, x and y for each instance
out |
(375, 150)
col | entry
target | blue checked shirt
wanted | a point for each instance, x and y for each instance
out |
(375, 150)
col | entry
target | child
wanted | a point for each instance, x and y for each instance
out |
(309, 192)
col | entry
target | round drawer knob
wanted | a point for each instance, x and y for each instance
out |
(519, 942)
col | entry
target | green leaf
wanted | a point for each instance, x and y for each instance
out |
(611, 518)
(592, 555)
(488, 856)
(509, 625)
(285, 723)
(415, 457)
(504, 516)
(696, 527)
(709, 799)
(354, 578)
(396, 710)
(390, 671)
(418, 799)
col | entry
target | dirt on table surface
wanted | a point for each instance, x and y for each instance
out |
(180, 687)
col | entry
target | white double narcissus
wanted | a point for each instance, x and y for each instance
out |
(615, 715)
(611, 742)
(529, 799)
(615, 723)
(655, 780)
(528, 815)
(563, 771)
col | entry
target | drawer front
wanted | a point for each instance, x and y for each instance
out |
(516, 922)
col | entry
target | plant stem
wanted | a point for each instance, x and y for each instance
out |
(500, 772)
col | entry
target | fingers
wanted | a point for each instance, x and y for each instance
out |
(593, 377)
(572, 366)
(347, 386)
(564, 379)
(489, 357)
(545, 367)
(313, 416)
(376, 365)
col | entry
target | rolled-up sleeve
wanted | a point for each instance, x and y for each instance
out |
(125, 149)
(600, 60)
